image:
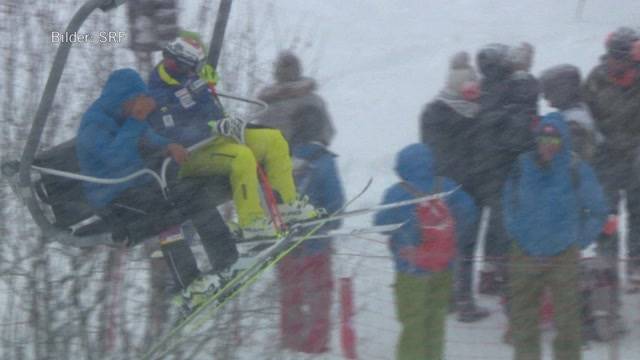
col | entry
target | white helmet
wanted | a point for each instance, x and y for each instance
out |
(185, 51)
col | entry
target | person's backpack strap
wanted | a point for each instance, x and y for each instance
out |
(437, 187)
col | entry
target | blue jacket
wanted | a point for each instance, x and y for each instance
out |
(316, 176)
(546, 210)
(107, 143)
(415, 165)
(185, 107)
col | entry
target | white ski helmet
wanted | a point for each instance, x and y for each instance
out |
(186, 51)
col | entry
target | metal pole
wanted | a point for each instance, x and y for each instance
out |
(215, 47)
(39, 121)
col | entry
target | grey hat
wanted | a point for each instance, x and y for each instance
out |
(287, 67)
(521, 56)
(460, 72)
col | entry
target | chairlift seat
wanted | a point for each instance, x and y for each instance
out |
(64, 200)
(64, 196)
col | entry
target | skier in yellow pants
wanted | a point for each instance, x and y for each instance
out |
(188, 113)
(224, 156)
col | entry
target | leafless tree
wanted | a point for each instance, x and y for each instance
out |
(61, 302)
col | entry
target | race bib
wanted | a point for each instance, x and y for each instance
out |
(185, 98)
(167, 120)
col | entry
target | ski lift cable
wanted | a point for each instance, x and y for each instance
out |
(263, 105)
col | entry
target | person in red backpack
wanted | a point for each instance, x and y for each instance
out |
(446, 125)
(424, 250)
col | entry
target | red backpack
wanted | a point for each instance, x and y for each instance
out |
(437, 229)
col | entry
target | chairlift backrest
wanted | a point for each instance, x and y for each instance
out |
(64, 196)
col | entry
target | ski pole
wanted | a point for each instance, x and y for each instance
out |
(270, 199)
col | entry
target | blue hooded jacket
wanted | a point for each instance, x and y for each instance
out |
(547, 210)
(185, 107)
(107, 143)
(415, 165)
(316, 176)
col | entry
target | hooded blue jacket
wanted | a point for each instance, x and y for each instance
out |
(316, 176)
(415, 165)
(107, 143)
(547, 210)
(185, 107)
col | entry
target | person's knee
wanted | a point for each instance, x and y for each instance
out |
(277, 141)
(244, 161)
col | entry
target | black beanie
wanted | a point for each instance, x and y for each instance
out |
(492, 61)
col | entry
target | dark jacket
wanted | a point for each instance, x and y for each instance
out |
(616, 110)
(185, 107)
(316, 176)
(448, 134)
(108, 144)
(295, 107)
(548, 209)
(414, 164)
(502, 132)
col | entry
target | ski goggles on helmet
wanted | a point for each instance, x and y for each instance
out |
(187, 53)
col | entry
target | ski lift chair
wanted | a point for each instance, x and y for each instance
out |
(56, 187)
(50, 184)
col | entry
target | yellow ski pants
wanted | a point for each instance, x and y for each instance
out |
(224, 156)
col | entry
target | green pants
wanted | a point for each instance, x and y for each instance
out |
(421, 304)
(224, 156)
(528, 278)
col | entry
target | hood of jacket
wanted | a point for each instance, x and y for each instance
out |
(122, 85)
(415, 164)
(557, 120)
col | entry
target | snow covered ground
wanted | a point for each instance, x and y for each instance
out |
(380, 62)
(377, 63)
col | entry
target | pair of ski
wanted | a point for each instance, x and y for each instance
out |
(267, 257)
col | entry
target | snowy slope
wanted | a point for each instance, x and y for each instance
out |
(381, 61)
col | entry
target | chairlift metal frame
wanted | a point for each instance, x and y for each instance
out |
(22, 175)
